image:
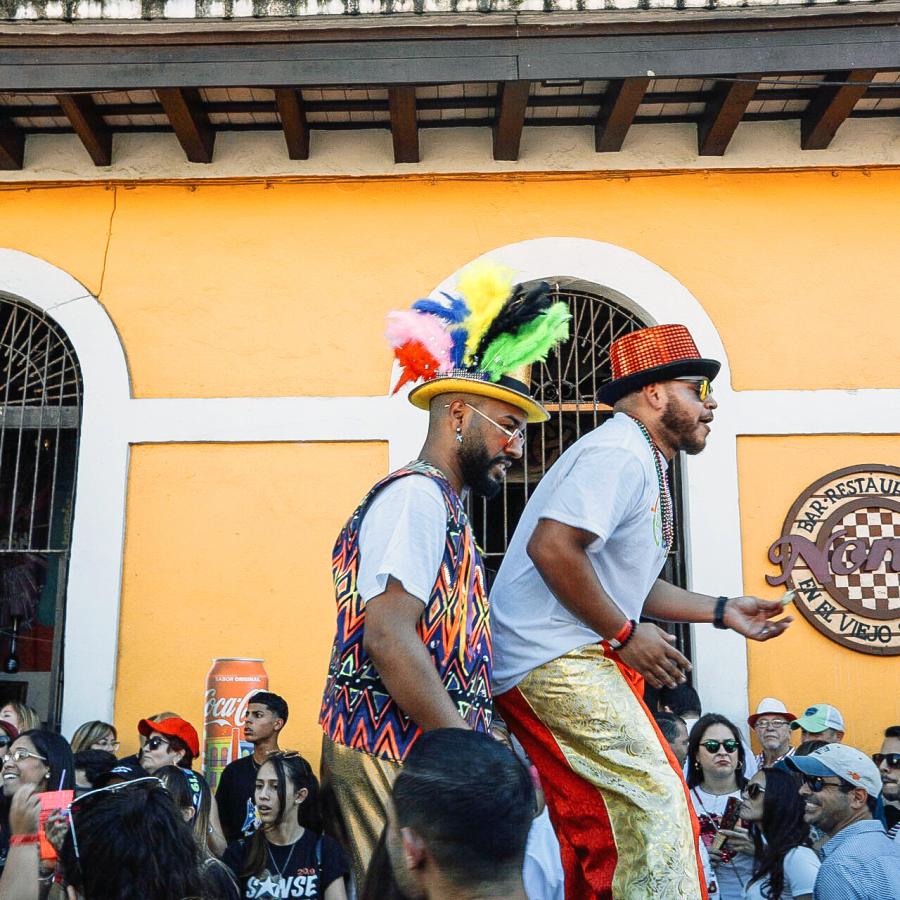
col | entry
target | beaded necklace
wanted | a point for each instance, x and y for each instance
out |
(668, 516)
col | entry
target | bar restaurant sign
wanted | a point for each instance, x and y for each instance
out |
(840, 549)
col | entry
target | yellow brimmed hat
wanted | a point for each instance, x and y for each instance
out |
(480, 340)
(508, 388)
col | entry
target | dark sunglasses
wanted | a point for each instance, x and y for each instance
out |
(817, 784)
(156, 742)
(5, 741)
(713, 746)
(753, 790)
(892, 759)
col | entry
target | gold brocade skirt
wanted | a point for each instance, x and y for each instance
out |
(356, 791)
(614, 791)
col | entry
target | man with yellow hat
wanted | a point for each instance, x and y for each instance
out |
(571, 654)
(412, 649)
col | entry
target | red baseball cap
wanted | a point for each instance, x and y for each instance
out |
(175, 727)
(10, 729)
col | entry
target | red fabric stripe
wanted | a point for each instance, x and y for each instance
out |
(636, 682)
(577, 810)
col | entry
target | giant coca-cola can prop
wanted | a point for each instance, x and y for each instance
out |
(229, 686)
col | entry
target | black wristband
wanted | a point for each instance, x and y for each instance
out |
(719, 614)
(624, 643)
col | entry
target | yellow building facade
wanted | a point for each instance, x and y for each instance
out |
(236, 402)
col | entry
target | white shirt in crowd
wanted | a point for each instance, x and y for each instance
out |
(543, 872)
(801, 865)
(402, 535)
(605, 483)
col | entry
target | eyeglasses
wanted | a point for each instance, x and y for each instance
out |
(20, 754)
(817, 784)
(517, 435)
(156, 742)
(702, 385)
(109, 789)
(753, 790)
(777, 724)
(106, 744)
(892, 759)
(713, 746)
(5, 741)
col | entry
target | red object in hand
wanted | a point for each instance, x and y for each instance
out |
(17, 839)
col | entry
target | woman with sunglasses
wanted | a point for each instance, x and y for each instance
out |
(95, 735)
(784, 864)
(715, 764)
(287, 856)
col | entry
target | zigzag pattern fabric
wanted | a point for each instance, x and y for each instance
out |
(357, 710)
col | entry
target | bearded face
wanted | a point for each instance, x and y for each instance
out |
(685, 419)
(482, 472)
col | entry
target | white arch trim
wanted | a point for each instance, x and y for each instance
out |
(112, 421)
(95, 568)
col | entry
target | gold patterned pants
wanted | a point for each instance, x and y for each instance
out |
(614, 791)
(356, 790)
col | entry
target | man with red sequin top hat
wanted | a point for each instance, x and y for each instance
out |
(412, 649)
(570, 652)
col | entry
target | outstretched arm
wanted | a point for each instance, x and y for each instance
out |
(749, 616)
(408, 672)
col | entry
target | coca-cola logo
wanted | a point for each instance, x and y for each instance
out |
(840, 549)
(227, 711)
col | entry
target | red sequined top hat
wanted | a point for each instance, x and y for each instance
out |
(660, 353)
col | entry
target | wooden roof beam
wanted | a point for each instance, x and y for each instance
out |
(82, 113)
(189, 121)
(293, 122)
(724, 111)
(830, 107)
(621, 101)
(404, 129)
(512, 102)
(12, 145)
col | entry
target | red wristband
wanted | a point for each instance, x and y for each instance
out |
(23, 839)
(623, 634)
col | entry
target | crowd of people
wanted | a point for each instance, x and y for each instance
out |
(811, 818)
(488, 740)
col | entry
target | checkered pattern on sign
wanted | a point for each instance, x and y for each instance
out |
(879, 589)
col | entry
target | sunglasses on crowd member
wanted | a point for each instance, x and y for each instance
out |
(817, 784)
(109, 789)
(20, 754)
(730, 745)
(156, 742)
(892, 759)
(752, 790)
(703, 386)
(5, 741)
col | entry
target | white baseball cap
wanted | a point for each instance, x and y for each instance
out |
(770, 706)
(848, 763)
(819, 717)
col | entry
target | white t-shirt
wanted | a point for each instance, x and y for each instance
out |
(402, 535)
(605, 483)
(801, 865)
(542, 871)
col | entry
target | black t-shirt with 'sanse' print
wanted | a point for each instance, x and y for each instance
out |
(303, 869)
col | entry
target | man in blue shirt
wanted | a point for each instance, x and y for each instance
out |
(840, 787)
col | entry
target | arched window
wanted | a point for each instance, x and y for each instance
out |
(40, 418)
(567, 386)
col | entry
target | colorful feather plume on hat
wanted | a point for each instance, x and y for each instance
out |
(487, 326)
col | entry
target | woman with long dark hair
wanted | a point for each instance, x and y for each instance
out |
(784, 864)
(715, 763)
(287, 856)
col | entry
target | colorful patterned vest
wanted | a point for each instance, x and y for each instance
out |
(455, 627)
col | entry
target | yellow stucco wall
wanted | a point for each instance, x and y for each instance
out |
(247, 289)
(803, 667)
(251, 289)
(228, 553)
